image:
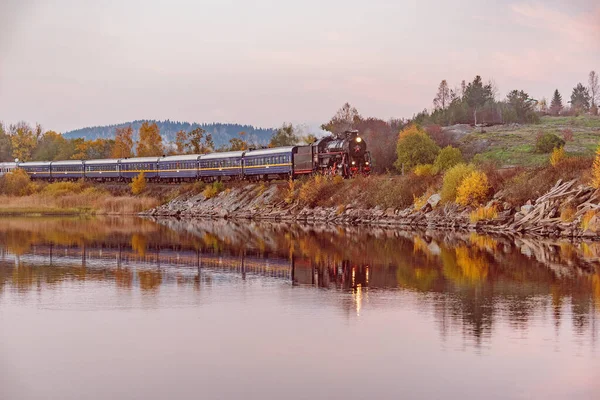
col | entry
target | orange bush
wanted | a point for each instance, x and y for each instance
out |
(138, 184)
(473, 190)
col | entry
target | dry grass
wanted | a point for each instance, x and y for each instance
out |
(86, 202)
(483, 214)
(532, 183)
(567, 213)
(585, 221)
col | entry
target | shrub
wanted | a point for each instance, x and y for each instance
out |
(546, 142)
(585, 221)
(58, 189)
(315, 190)
(533, 183)
(398, 192)
(138, 184)
(213, 189)
(567, 213)
(483, 214)
(414, 147)
(16, 183)
(440, 138)
(473, 190)
(453, 178)
(420, 201)
(596, 170)
(425, 170)
(290, 191)
(558, 155)
(447, 158)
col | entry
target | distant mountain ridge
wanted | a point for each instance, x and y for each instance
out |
(221, 132)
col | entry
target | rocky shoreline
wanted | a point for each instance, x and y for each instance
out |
(543, 217)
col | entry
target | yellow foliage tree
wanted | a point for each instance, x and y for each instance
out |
(414, 147)
(23, 141)
(138, 184)
(473, 190)
(123, 147)
(596, 170)
(150, 143)
(558, 154)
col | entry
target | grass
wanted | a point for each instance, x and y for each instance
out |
(74, 204)
(513, 145)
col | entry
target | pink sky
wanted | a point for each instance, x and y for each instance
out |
(69, 64)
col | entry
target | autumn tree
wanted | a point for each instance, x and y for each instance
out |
(238, 143)
(580, 98)
(556, 105)
(381, 137)
(92, 149)
(442, 98)
(5, 145)
(150, 143)
(414, 147)
(477, 95)
(309, 139)
(594, 89)
(284, 136)
(123, 147)
(344, 119)
(23, 140)
(49, 147)
(181, 142)
(200, 141)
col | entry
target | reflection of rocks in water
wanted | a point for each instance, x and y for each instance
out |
(468, 281)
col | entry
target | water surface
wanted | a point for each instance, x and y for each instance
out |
(130, 308)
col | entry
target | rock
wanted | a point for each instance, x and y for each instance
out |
(518, 216)
(426, 208)
(390, 212)
(593, 225)
(506, 206)
(527, 208)
(434, 200)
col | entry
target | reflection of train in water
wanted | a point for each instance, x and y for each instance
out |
(299, 271)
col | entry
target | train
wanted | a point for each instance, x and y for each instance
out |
(343, 154)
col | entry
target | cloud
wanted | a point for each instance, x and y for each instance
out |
(582, 28)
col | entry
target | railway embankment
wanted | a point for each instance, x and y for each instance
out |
(567, 209)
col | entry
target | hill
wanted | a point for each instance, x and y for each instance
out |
(514, 144)
(168, 129)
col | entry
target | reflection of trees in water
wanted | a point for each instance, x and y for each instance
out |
(149, 280)
(469, 280)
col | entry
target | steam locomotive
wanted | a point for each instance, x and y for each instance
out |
(344, 154)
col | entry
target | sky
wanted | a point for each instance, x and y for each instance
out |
(71, 64)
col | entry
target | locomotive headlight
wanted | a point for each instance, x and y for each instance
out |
(358, 139)
(353, 162)
(367, 163)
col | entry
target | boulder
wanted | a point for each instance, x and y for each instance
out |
(527, 208)
(434, 200)
(593, 225)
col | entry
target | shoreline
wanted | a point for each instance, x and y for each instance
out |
(539, 218)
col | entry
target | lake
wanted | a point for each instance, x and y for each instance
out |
(124, 308)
